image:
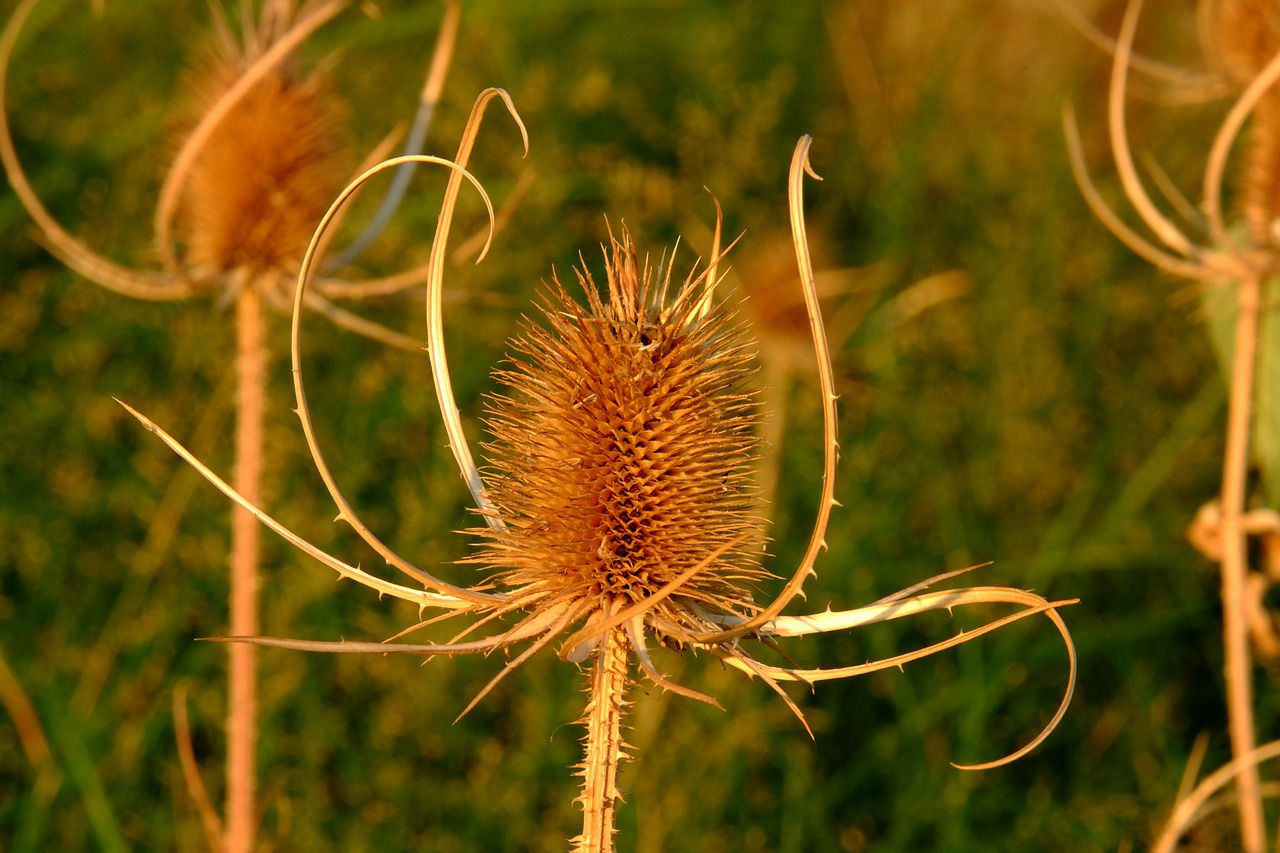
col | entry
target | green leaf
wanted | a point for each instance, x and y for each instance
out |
(1221, 307)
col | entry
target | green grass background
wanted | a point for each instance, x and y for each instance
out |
(1061, 418)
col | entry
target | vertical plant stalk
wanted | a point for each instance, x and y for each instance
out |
(603, 744)
(242, 686)
(1234, 562)
(1260, 179)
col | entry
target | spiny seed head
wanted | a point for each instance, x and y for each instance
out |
(622, 453)
(1245, 37)
(266, 175)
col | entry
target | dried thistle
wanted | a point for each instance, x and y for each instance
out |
(617, 507)
(1235, 269)
(285, 129)
(261, 158)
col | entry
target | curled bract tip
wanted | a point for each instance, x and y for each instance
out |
(490, 93)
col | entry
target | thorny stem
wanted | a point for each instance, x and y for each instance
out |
(1234, 565)
(242, 693)
(603, 744)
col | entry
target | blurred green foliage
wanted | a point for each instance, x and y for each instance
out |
(1060, 417)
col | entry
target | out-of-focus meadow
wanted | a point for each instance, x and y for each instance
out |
(1016, 387)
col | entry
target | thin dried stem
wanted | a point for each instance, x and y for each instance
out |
(251, 356)
(209, 819)
(25, 719)
(1235, 566)
(1156, 221)
(352, 322)
(441, 59)
(1048, 608)
(69, 250)
(1137, 243)
(435, 293)
(423, 598)
(1222, 143)
(1190, 807)
(1192, 85)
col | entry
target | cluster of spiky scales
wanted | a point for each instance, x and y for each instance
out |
(623, 452)
(266, 174)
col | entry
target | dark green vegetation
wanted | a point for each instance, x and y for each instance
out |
(1058, 415)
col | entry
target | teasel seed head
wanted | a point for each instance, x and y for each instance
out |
(267, 173)
(1245, 38)
(622, 452)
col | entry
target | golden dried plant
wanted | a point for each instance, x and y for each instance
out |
(261, 156)
(1235, 270)
(618, 515)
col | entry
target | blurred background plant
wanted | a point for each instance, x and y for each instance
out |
(1231, 267)
(1057, 413)
(258, 154)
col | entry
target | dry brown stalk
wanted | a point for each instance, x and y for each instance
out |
(25, 719)
(256, 169)
(1245, 38)
(617, 503)
(242, 693)
(603, 742)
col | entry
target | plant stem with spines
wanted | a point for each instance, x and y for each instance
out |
(603, 744)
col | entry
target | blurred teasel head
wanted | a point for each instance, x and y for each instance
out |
(272, 163)
(260, 149)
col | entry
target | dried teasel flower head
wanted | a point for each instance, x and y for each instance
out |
(1243, 36)
(269, 168)
(262, 151)
(623, 451)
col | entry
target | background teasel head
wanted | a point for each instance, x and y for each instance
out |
(1243, 38)
(617, 504)
(272, 163)
(260, 150)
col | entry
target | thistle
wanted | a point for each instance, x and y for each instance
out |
(618, 515)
